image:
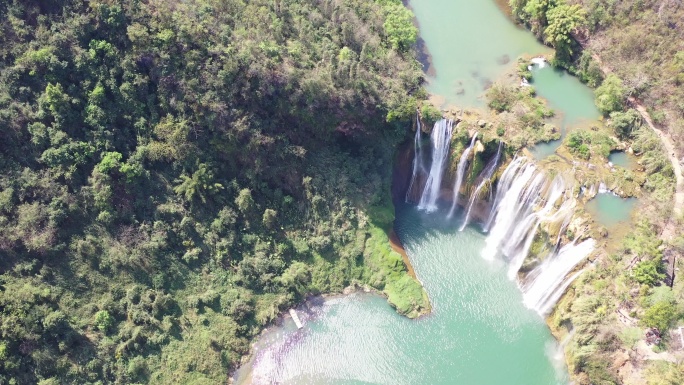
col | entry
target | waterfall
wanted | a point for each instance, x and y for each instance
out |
(519, 186)
(526, 230)
(487, 175)
(564, 224)
(417, 158)
(440, 139)
(504, 185)
(460, 171)
(602, 189)
(517, 220)
(592, 191)
(548, 281)
(525, 199)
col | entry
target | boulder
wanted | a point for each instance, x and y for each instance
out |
(479, 147)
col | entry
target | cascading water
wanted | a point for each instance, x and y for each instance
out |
(525, 231)
(547, 282)
(486, 176)
(525, 199)
(602, 189)
(514, 203)
(592, 191)
(460, 171)
(418, 166)
(440, 139)
(504, 185)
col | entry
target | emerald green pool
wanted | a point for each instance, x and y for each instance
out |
(471, 44)
(572, 100)
(479, 332)
(610, 210)
(622, 159)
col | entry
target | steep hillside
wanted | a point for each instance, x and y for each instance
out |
(174, 174)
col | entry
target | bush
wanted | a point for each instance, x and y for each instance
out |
(630, 336)
(664, 373)
(588, 70)
(647, 273)
(661, 315)
(578, 143)
(501, 97)
(610, 96)
(430, 113)
(563, 20)
(399, 28)
(625, 123)
(269, 218)
(104, 321)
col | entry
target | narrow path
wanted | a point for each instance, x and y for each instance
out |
(667, 142)
(669, 231)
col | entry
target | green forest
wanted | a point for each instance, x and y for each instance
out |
(175, 174)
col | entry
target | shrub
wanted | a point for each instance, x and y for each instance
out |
(610, 95)
(589, 71)
(661, 315)
(563, 21)
(646, 273)
(430, 113)
(501, 97)
(269, 218)
(399, 28)
(625, 123)
(104, 321)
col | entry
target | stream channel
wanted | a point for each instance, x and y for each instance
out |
(479, 332)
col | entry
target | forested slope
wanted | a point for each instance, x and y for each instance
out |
(643, 43)
(174, 174)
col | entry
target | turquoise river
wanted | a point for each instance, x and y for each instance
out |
(479, 332)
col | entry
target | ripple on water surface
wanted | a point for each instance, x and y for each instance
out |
(479, 331)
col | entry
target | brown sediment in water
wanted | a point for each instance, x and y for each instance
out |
(422, 52)
(424, 57)
(505, 7)
(397, 246)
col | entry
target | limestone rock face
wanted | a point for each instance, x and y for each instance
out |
(479, 147)
(481, 123)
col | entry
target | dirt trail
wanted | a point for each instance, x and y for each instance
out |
(669, 231)
(666, 140)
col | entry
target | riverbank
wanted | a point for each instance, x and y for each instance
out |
(478, 322)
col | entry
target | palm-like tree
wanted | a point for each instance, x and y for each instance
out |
(199, 185)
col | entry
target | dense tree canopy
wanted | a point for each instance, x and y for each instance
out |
(554, 21)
